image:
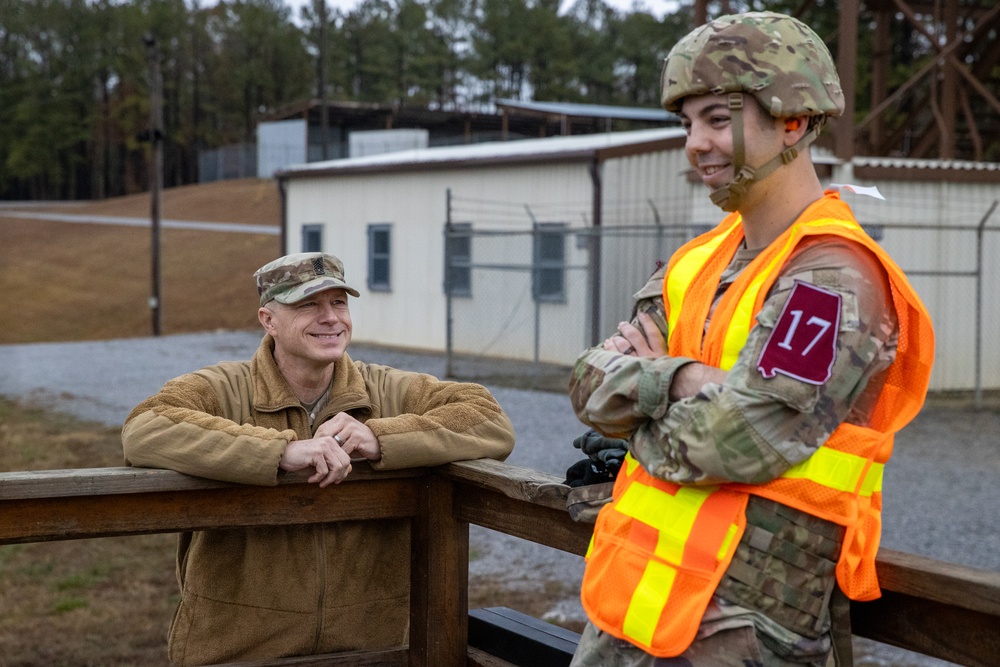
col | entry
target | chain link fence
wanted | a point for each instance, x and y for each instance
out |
(227, 162)
(538, 284)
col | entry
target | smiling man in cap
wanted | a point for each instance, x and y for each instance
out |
(302, 404)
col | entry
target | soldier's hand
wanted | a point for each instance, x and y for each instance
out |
(325, 454)
(690, 378)
(352, 435)
(647, 342)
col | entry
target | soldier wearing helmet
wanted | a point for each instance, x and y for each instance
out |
(770, 59)
(757, 387)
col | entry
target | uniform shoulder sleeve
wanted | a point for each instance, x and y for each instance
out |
(769, 415)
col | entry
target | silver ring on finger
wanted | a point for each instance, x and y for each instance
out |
(339, 441)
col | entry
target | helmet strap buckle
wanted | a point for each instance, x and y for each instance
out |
(789, 154)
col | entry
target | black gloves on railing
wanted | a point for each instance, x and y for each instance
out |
(604, 458)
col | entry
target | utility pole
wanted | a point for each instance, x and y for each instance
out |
(322, 11)
(155, 172)
(847, 54)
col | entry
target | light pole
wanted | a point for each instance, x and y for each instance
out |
(156, 172)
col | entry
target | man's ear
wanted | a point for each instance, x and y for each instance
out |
(795, 129)
(265, 317)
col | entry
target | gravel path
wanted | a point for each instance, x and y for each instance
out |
(941, 496)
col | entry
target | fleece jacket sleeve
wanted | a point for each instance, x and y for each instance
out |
(440, 422)
(184, 428)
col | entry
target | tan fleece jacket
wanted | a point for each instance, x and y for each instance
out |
(297, 590)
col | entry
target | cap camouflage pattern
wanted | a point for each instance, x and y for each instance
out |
(774, 57)
(291, 278)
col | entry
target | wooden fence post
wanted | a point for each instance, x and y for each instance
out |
(439, 577)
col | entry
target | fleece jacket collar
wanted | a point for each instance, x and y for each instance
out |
(271, 392)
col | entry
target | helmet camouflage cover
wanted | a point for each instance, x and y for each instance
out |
(774, 57)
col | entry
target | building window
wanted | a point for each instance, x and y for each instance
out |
(458, 259)
(379, 247)
(312, 238)
(548, 280)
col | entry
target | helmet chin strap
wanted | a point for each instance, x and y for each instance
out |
(730, 196)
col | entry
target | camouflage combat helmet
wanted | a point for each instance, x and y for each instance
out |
(773, 57)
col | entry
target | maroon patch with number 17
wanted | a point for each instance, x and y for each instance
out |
(803, 344)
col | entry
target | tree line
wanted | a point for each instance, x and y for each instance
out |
(75, 74)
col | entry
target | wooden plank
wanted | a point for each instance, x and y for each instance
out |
(937, 629)
(528, 521)
(515, 482)
(521, 639)
(439, 579)
(96, 481)
(952, 584)
(478, 658)
(46, 519)
(121, 480)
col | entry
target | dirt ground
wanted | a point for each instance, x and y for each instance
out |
(100, 275)
(250, 201)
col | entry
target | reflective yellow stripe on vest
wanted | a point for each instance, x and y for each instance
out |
(673, 515)
(839, 470)
(683, 275)
(648, 601)
(739, 327)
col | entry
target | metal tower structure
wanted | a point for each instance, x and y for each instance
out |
(922, 76)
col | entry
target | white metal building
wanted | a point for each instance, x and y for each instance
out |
(401, 199)
(384, 215)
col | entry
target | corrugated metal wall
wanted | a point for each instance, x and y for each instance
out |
(648, 191)
(942, 245)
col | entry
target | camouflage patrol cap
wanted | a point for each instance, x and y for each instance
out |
(774, 57)
(291, 278)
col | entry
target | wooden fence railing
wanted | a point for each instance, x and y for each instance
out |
(930, 607)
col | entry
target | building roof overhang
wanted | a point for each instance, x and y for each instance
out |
(579, 148)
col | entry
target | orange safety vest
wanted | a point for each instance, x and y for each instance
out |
(659, 549)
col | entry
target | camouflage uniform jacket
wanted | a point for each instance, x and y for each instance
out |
(273, 591)
(750, 429)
